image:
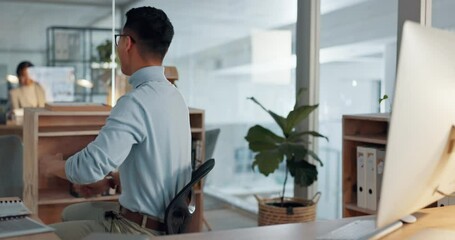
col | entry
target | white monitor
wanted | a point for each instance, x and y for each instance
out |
(418, 163)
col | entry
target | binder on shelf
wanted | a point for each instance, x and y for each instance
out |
(196, 153)
(374, 172)
(361, 178)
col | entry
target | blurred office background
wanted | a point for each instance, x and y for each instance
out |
(226, 51)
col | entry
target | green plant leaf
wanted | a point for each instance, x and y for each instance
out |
(281, 121)
(304, 173)
(298, 151)
(260, 138)
(268, 161)
(383, 98)
(296, 136)
(315, 157)
(297, 115)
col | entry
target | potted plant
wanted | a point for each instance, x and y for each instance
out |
(104, 51)
(290, 146)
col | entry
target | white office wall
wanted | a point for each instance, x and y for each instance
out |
(11, 58)
(442, 14)
(23, 27)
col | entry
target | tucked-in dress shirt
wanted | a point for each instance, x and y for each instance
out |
(147, 137)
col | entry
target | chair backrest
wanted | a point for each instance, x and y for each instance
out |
(180, 211)
(11, 183)
(211, 136)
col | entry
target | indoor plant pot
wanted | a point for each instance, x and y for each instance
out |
(292, 146)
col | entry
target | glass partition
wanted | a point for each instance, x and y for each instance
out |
(226, 51)
(56, 35)
(357, 66)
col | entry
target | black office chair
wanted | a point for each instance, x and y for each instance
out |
(180, 211)
(211, 137)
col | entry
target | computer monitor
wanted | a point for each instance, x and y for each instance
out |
(419, 163)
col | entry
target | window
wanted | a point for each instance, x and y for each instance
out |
(357, 66)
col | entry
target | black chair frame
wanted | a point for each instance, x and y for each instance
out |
(181, 209)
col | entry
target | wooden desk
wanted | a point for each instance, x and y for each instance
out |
(442, 218)
(11, 128)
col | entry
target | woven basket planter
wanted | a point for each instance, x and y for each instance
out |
(269, 214)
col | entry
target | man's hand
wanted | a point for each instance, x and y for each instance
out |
(93, 189)
(52, 166)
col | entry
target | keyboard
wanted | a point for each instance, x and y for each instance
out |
(353, 230)
(21, 226)
(360, 229)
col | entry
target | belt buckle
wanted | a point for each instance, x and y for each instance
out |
(144, 221)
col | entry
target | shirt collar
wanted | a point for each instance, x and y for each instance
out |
(145, 74)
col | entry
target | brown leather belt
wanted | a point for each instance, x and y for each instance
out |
(143, 220)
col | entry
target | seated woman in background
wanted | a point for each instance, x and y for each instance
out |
(29, 93)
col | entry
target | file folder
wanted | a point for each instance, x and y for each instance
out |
(374, 172)
(361, 178)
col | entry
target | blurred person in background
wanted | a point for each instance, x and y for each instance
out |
(29, 93)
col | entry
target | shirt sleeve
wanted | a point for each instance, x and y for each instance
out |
(124, 128)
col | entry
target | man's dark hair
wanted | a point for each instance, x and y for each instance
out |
(152, 28)
(23, 65)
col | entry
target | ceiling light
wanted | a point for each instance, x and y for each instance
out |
(12, 79)
(84, 83)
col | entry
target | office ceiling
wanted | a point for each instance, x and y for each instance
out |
(74, 2)
(24, 22)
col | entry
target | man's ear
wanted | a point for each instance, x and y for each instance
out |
(129, 44)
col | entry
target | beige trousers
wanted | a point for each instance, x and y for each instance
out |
(82, 219)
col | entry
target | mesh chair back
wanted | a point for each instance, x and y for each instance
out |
(180, 211)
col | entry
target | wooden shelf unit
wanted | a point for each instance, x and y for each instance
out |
(47, 133)
(197, 123)
(363, 129)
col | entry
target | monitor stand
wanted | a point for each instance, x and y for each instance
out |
(447, 186)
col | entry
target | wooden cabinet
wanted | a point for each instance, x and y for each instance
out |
(366, 129)
(47, 133)
(198, 134)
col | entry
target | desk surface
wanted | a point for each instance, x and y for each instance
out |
(442, 218)
(40, 236)
(10, 125)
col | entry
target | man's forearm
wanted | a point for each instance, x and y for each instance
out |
(57, 168)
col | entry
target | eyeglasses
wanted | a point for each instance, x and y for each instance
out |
(117, 38)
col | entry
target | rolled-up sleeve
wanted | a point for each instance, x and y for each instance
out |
(124, 128)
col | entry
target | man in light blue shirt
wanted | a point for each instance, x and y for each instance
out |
(146, 137)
